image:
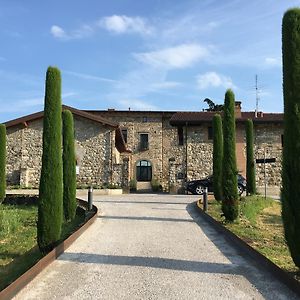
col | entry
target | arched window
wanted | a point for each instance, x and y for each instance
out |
(143, 171)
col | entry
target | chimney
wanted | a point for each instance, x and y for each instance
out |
(237, 109)
(111, 109)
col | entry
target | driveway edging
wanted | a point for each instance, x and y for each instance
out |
(260, 259)
(17, 285)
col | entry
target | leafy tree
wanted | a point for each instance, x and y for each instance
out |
(2, 161)
(212, 106)
(250, 170)
(69, 166)
(230, 202)
(291, 149)
(50, 208)
(217, 157)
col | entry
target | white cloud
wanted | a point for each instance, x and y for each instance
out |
(58, 32)
(272, 61)
(213, 79)
(136, 104)
(124, 24)
(89, 77)
(166, 85)
(82, 32)
(180, 56)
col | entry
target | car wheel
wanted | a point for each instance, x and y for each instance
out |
(199, 189)
(240, 189)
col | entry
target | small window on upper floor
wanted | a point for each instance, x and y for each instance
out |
(144, 141)
(145, 119)
(210, 133)
(180, 135)
(124, 133)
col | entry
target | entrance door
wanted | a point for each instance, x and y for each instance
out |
(143, 171)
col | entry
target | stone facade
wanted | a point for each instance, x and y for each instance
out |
(95, 153)
(173, 164)
(172, 153)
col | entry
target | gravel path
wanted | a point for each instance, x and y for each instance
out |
(152, 247)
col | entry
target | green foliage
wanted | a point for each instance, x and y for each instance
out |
(156, 186)
(2, 161)
(230, 202)
(9, 220)
(132, 184)
(291, 149)
(69, 166)
(251, 206)
(50, 211)
(250, 169)
(217, 157)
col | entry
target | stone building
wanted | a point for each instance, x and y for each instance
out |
(115, 146)
(99, 145)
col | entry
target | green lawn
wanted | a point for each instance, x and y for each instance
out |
(18, 245)
(260, 225)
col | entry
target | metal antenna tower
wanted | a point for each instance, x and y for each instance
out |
(257, 96)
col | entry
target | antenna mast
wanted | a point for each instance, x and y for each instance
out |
(257, 96)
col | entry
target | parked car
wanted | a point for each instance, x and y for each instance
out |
(197, 187)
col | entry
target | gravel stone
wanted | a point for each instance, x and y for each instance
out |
(150, 246)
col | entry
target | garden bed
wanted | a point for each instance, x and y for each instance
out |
(18, 245)
(260, 226)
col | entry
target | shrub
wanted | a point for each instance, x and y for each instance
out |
(50, 208)
(217, 157)
(2, 161)
(250, 169)
(69, 166)
(291, 149)
(155, 185)
(230, 202)
(132, 184)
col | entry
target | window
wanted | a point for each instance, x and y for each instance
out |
(180, 135)
(210, 133)
(144, 143)
(145, 119)
(124, 133)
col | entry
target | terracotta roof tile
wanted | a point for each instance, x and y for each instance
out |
(194, 118)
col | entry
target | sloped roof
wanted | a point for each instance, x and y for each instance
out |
(195, 118)
(74, 111)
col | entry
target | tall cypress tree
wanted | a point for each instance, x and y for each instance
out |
(250, 169)
(217, 157)
(50, 208)
(291, 148)
(230, 202)
(69, 166)
(2, 161)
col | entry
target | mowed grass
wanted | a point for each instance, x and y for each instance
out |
(260, 225)
(18, 240)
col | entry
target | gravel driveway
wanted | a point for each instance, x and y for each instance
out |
(152, 247)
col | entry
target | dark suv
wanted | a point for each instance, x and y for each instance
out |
(197, 187)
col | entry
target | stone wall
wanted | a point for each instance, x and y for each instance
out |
(94, 155)
(172, 164)
(268, 140)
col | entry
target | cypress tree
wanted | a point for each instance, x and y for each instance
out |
(230, 202)
(50, 208)
(291, 148)
(217, 157)
(69, 166)
(250, 169)
(2, 161)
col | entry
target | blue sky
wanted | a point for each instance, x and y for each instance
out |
(146, 55)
